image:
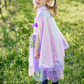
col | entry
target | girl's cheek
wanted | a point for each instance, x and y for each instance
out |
(34, 1)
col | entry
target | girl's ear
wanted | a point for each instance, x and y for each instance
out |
(48, 2)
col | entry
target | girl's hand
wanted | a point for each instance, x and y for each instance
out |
(37, 55)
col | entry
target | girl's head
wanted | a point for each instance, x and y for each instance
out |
(52, 9)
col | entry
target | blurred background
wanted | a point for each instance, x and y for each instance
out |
(16, 19)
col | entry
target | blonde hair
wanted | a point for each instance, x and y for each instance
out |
(52, 9)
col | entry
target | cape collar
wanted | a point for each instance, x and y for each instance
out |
(41, 8)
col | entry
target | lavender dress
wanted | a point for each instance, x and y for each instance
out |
(52, 46)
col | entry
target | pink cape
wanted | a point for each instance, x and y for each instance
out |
(52, 46)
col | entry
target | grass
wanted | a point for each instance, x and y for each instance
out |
(15, 30)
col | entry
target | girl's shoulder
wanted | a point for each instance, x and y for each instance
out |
(43, 14)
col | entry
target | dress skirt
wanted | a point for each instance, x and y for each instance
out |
(41, 74)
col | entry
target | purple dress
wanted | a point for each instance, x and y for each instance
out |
(52, 46)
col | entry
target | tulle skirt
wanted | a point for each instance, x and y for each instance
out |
(41, 74)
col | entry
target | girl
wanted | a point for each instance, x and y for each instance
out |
(47, 45)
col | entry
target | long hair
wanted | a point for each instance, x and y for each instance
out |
(52, 9)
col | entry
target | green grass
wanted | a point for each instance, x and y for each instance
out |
(15, 30)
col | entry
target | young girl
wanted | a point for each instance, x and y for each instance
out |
(47, 45)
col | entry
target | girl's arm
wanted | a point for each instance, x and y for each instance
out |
(37, 43)
(40, 25)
